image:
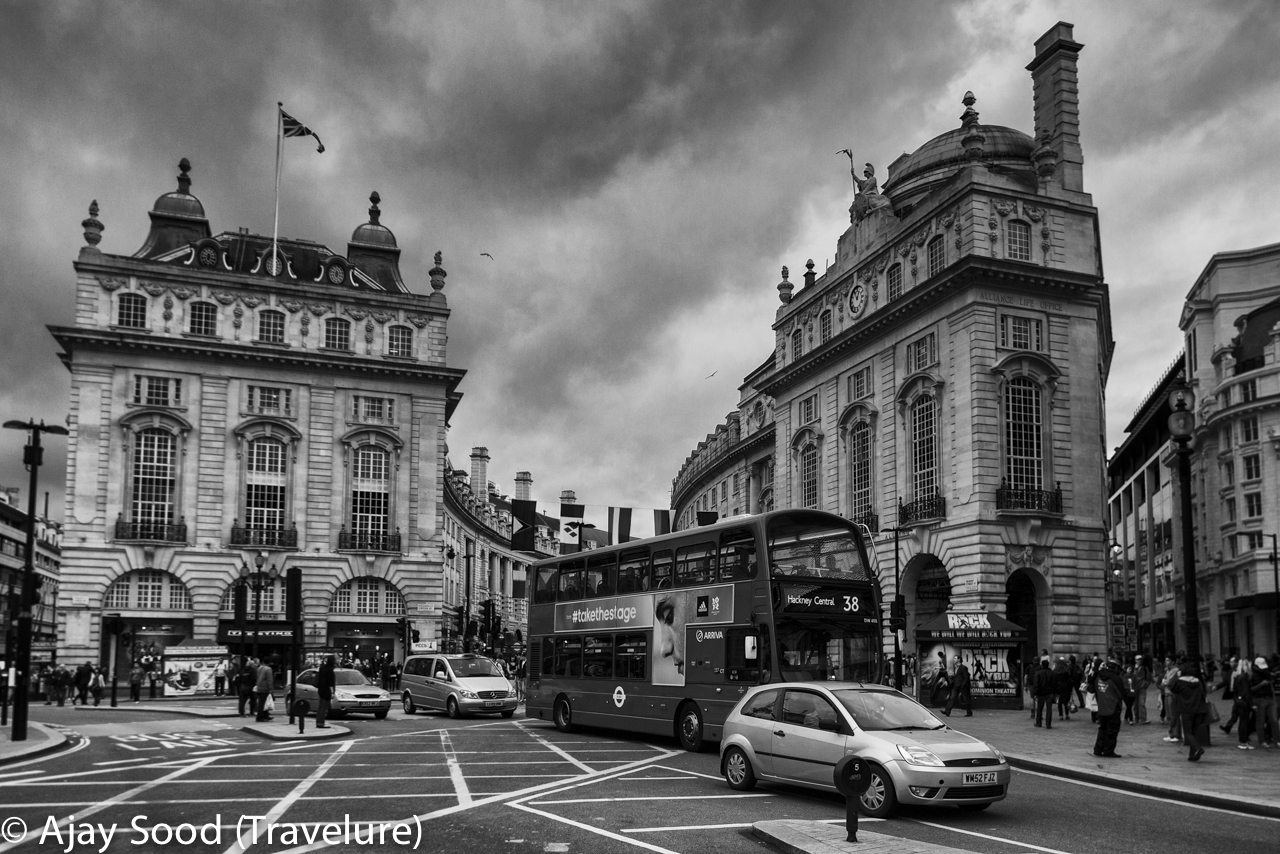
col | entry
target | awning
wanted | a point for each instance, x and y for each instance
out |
(970, 625)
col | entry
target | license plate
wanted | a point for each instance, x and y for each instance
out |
(492, 704)
(978, 778)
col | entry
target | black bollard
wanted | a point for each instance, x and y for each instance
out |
(114, 685)
(852, 777)
(153, 687)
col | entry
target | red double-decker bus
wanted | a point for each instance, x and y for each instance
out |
(664, 635)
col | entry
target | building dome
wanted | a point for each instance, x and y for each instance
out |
(180, 202)
(373, 233)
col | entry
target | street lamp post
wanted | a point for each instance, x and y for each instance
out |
(1182, 422)
(897, 609)
(1275, 582)
(254, 579)
(32, 457)
(1113, 580)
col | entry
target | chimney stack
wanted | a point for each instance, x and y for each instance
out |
(568, 496)
(1056, 91)
(524, 485)
(479, 471)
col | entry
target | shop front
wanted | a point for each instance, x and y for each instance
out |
(364, 642)
(272, 639)
(989, 646)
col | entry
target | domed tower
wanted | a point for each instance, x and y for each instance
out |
(177, 218)
(373, 248)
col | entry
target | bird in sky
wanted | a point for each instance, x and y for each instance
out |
(487, 255)
(712, 374)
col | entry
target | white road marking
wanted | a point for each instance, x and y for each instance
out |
(455, 770)
(288, 800)
(20, 773)
(654, 798)
(1016, 842)
(556, 749)
(599, 831)
(861, 820)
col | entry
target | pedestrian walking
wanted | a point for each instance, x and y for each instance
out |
(136, 674)
(246, 681)
(1062, 688)
(96, 684)
(263, 687)
(961, 691)
(1170, 676)
(1241, 704)
(1141, 683)
(1077, 679)
(1189, 701)
(1263, 694)
(1045, 691)
(324, 691)
(1110, 695)
(84, 675)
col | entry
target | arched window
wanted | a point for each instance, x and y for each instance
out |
(825, 325)
(924, 447)
(797, 344)
(132, 311)
(1018, 240)
(367, 595)
(937, 255)
(370, 497)
(337, 334)
(809, 476)
(1023, 434)
(203, 319)
(152, 491)
(893, 286)
(266, 485)
(400, 341)
(271, 327)
(860, 482)
(147, 590)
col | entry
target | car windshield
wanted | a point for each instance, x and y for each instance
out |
(466, 667)
(349, 677)
(882, 710)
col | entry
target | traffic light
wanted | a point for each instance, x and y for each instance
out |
(416, 635)
(293, 594)
(31, 590)
(241, 603)
(897, 623)
(486, 616)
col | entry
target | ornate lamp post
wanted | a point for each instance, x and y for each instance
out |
(1182, 422)
(254, 578)
(1112, 581)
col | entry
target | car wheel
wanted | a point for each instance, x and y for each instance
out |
(508, 714)
(562, 716)
(880, 799)
(689, 728)
(973, 807)
(452, 708)
(382, 715)
(738, 772)
(407, 703)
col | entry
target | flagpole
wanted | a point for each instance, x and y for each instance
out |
(275, 228)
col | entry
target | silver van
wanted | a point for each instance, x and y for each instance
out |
(461, 684)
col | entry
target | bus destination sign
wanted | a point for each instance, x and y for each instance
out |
(823, 599)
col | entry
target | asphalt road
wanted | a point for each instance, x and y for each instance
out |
(427, 783)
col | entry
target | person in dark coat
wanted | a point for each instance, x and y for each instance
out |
(1188, 700)
(1045, 691)
(324, 690)
(961, 691)
(1110, 693)
(1062, 685)
(84, 675)
(246, 680)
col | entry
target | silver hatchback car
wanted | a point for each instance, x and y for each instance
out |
(796, 732)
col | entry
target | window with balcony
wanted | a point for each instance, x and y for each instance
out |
(152, 490)
(861, 504)
(400, 341)
(337, 334)
(924, 447)
(266, 486)
(271, 327)
(203, 319)
(1018, 240)
(370, 501)
(157, 391)
(937, 255)
(131, 311)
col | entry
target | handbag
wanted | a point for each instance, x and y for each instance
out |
(269, 704)
(1091, 701)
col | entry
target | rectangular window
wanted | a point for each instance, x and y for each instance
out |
(1191, 353)
(937, 255)
(118, 594)
(1019, 240)
(1252, 467)
(630, 654)
(400, 341)
(132, 311)
(809, 477)
(662, 569)
(367, 590)
(860, 470)
(695, 564)
(1230, 506)
(1253, 540)
(922, 352)
(860, 384)
(633, 573)
(373, 410)
(1228, 473)
(337, 334)
(893, 283)
(597, 656)
(1248, 391)
(924, 448)
(150, 589)
(1253, 505)
(568, 656)
(1023, 435)
(1021, 333)
(271, 327)
(824, 325)
(1226, 437)
(737, 555)
(270, 400)
(1249, 429)
(204, 319)
(809, 409)
(157, 391)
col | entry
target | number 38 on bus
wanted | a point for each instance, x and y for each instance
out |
(664, 635)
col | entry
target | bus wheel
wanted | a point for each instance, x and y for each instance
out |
(563, 715)
(689, 727)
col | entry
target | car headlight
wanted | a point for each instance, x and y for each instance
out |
(996, 751)
(916, 755)
(470, 695)
(511, 693)
(344, 695)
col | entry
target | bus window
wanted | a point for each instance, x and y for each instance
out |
(661, 569)
(600, 575)
(572, 577)
(568, 657)
(737, 555)
(632, 651)
(633, 572)
(597, 657)
(544, 585)
(693, 564)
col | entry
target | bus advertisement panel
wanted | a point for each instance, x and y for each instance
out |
(664, 635)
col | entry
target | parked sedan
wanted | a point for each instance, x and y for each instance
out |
(796, 733)
(352, 692)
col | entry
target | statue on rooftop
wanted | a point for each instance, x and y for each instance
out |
(867, 197)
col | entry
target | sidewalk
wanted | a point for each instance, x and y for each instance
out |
(1245, 781)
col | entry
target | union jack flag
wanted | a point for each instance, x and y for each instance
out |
(293, 127)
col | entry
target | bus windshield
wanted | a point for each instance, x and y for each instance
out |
(798, 548)
(825, 649)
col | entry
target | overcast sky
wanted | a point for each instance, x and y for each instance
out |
(638, 171)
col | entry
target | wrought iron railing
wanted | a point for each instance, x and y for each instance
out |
(271, 538)
(152, 531)
(1017, 498)
(871, 520)
(922, 509)
(364, 541)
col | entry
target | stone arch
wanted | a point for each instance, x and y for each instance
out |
(1028, 603)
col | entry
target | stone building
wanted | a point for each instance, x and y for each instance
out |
(240, 406)
(47, 559)
(942, 381)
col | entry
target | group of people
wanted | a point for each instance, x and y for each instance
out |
(254, 679)
(60, 684)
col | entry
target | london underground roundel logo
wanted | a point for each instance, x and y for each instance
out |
(619, 696)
